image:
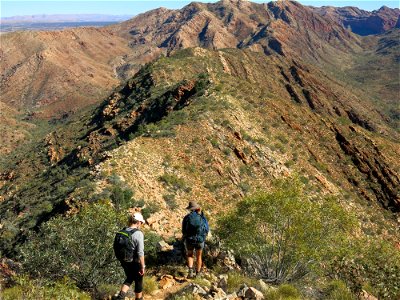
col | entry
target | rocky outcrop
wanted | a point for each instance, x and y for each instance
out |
(54, 152)
(370, 161)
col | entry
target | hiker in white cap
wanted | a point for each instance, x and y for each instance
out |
(129, 250)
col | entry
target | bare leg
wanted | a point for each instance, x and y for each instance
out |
(199, 261)
(138, 295)
(124, 288)
(189, 257)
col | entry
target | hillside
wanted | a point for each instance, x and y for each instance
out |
(210, 126)
(56, 72)
(291, 122)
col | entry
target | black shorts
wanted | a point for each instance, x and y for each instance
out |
(191, 246)
(132, 275)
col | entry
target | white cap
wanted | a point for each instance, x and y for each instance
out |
(138, 217)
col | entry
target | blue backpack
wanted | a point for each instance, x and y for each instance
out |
(196, 228)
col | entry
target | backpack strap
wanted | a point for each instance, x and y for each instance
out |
(130, 232)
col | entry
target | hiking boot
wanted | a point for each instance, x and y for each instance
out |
(199, 274)
(191, 274)
(120, 296)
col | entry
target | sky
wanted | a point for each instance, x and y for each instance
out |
(133, 7)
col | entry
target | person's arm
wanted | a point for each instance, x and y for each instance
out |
(140, 250)
(142, 265)
(184, 227)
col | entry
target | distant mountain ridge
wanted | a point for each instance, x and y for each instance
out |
(55, 18)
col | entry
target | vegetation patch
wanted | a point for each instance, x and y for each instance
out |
(174, 182)
(281, 236)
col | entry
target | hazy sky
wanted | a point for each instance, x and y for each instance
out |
(133, 7)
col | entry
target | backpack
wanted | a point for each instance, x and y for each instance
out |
(205, 228)
(196, 228)
(124, 248)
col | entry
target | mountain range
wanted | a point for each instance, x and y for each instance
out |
(208, 103)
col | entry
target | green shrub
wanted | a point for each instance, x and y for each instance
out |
(202, 282)
(214, 142)
(245, 187)
(174, 182)
(236, 279)
(138, 203)
(79, 246)
(212, 187)
(149, 209)
(121, 197)
(26, 288)
(150, 241)
(150, 285)
(282, 235)
(372, 263)
(337, 289)
(284, 292)
(170, 200)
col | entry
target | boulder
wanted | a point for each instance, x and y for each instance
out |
(242, 290)
(194, 289)
(151, 220)
(180, 279)
(366, 296)
(217, 292)
(163, 246)
(166, 282)
(253, 293)
(223, 282)
(231, 296)
(228, 259)
(265, 287)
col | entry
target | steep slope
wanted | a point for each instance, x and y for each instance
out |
(210, 126)
(375, 73)
(360, 21)
(59, 71)
(13, 131)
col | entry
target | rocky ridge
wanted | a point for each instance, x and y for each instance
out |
(360, 21)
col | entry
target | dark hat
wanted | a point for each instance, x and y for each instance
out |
(193, 205)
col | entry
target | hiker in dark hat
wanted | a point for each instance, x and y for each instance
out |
(194, 231)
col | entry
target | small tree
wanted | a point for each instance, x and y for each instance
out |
(282, 235)
(79, 247)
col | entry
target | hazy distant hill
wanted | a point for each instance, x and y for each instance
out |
(58, 22)
(64, 18)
